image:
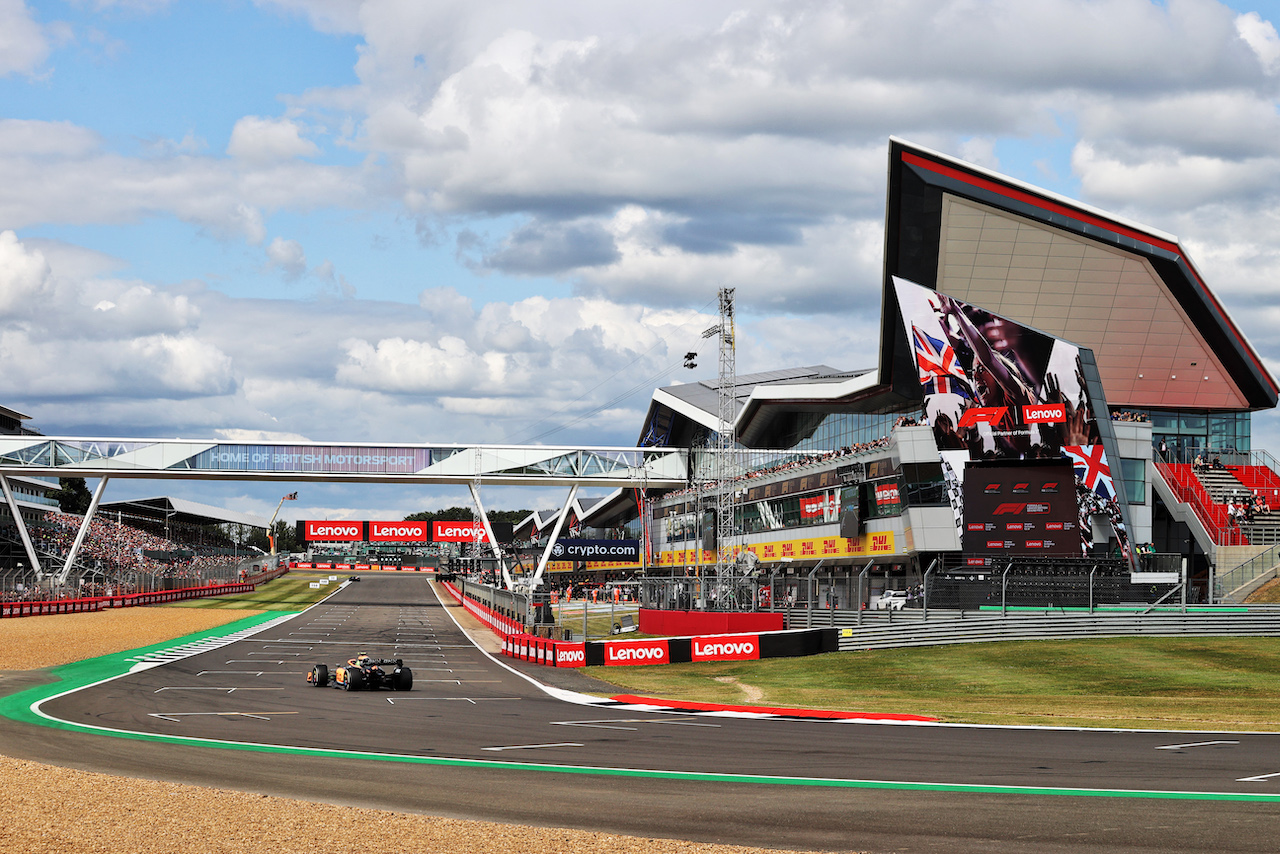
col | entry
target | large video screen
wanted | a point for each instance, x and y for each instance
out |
(1011, 508)
(994, 389)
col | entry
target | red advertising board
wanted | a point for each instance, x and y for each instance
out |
(826, 504)
(887, 495)
(457, 532)
(399, 532)
(329, 532)
(636, 652)
(726, 648)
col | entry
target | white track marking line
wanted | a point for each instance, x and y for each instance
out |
(1194, 744)
(249, 672)
(533, 746)
(1257, 779)
(173, 716)
(471, 700)
(212, 688)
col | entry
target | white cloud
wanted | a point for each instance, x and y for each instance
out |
(25, 279)
(23, 46)
(1261, 37)
(263, 140)
(288, 256)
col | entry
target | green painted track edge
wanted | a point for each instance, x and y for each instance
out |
(69, 677)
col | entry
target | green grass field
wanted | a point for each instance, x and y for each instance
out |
(1147, 683)
(290, 592)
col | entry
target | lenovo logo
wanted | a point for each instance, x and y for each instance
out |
(649, 654)
(334, 531)
(570, 657)
(381, 529)
(1044, 413)
(725, 650)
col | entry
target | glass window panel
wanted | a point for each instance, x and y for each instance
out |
(1193, 422)
(1135, 480)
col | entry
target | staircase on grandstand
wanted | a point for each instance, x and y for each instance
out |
(1246, 548)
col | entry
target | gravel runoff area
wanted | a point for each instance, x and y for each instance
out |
(202, 820)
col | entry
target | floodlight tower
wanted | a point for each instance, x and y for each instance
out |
(724, 467)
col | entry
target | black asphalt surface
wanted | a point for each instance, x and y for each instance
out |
(464, 705)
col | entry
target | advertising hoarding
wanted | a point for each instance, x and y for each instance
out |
(620, 550)
(994, 389)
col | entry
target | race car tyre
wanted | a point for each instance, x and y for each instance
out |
(404, 679)
(355, 680)
(320, 675)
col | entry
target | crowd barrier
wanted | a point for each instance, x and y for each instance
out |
(741, 647)
(516, 643)
(501, 624)
(358, 567)
(100, 603)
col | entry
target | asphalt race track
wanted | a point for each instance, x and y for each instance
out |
(476, 739)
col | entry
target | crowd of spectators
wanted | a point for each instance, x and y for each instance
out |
(803, 461)
(118, 559)
(1125, 415)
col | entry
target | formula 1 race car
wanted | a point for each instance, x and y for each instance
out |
(363, 672)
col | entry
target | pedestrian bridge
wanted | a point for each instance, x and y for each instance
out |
(494, 465)
(469, 465)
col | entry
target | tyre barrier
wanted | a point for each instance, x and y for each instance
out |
(744, 647)
(99, 603)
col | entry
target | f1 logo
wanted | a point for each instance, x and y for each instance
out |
(1008, 507)
(982, 415)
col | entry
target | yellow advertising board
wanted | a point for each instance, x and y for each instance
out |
(868, 545)
(871, 544)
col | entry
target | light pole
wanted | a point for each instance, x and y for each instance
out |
(271, 526)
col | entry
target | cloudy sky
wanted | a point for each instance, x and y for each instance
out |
(505, 221)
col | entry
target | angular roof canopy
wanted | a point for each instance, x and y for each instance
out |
(182, 510)
(1128, 292)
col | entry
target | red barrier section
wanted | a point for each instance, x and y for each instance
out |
(97, 603)
(725, 648)
(653, 622)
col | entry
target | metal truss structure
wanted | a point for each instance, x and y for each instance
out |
(179, 459)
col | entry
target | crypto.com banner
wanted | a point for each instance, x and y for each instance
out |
(619, 550)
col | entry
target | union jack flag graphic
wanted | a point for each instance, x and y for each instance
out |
(1090, 462)
(940, 371)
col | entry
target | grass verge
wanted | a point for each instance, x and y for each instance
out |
(290, 592)
(1142, 683)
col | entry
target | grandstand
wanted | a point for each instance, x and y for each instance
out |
(1166, 371)
(131, 546)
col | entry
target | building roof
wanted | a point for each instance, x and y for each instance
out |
(185, 511)
(1126, 291)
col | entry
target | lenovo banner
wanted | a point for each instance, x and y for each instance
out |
(399, 532)
(619, 550)
(726, 648)
(331, 532)
(637, 652)
(458, 532)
